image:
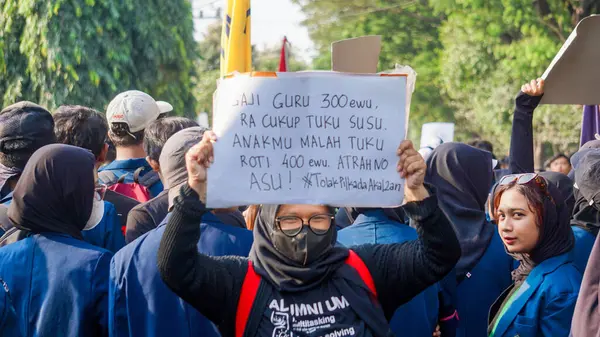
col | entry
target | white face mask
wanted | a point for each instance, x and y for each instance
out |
(97, 212)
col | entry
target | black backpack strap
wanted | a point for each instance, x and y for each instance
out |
(108, 178)
(349, 214)
(148, 179)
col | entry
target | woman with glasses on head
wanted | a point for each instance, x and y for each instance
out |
(296, 281)
(533, 222)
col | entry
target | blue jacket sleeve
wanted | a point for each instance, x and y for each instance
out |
(100, 292)
(9, 323)
(448, 316)
(117, 315)
(557, 315)
(114, 239)
(521, 139)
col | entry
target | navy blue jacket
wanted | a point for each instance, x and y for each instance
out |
(58, 285)
(9, 324)
(482, 286)
(418, 317)
(107, 232)
(544, 304)
(584, 241)
(140, 304)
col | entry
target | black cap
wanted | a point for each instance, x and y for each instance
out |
(26, 122)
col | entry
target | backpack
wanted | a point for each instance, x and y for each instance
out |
(138, 189)
(252, 282)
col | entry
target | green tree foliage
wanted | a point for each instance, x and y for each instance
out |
(86, 51)
(471, 56)
(491, 48)
(209, 66)
(410, 36)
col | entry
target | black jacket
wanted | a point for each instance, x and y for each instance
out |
(213, 284)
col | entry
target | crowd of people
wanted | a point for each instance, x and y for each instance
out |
(94, 244)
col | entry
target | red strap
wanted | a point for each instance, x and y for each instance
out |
(357, 263)
(453, 316)
(247, 297)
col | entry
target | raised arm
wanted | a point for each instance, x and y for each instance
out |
(401, 271)
(521, 139)
(210, 284)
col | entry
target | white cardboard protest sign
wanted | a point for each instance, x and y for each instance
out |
(573, 75)
(325, 138)
(432, 132)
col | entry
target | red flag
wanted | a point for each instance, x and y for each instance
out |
(283, 58)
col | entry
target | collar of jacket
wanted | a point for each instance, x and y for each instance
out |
(527, 289)
(367, 218)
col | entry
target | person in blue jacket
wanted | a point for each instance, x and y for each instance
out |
(463, 177)
(128, 115)
(24, 128)
(87, 128)
(421, 315)
(59, 283)
(9, 324)
(140, 304)
(103, 228)
(533, 222)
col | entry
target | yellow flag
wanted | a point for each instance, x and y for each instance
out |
(236, 50)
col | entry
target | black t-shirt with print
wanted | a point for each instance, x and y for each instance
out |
(323, 311)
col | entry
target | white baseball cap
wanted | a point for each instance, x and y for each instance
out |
(136, 109)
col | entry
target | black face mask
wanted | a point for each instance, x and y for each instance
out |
(304, 248)
(293, 263)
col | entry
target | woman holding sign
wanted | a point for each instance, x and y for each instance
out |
(296, 281)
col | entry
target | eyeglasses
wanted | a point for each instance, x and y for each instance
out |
(292, 225)
(526, 178)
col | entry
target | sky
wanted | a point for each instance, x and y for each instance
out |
(271, 20)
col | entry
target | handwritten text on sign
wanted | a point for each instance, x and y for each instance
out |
(308, 138)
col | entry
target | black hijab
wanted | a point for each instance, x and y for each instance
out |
(565, 185)
(284, 273)
(556, 236)
(55, 192)
(463, 177)
(587, 179)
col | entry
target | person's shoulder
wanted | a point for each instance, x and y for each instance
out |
(210, 222)
(109, 207)
(140, 208)
(564, 280)
(148, 240)
(219, 231)
(67, 245)
(581, 233)
(380, 232)
(143, 249)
